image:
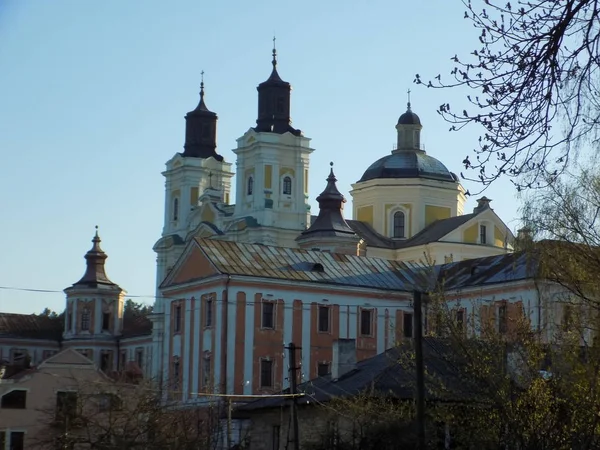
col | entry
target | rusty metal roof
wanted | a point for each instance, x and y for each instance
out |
(296, 264)
(30, 326)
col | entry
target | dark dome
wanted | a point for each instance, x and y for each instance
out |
(408, 164)
(409, 118)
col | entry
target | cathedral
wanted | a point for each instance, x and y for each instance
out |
(237, 282)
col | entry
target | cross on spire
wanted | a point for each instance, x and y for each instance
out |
(202, 84)
(274, 51)
(408, 94)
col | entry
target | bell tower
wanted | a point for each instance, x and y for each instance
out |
(272, 167)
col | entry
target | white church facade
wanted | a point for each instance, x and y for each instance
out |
(236, 282)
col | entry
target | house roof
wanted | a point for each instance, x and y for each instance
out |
(431, 233)
(30, 326)
(294, 264)
(391, 373)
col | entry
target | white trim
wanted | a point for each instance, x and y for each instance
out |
(390, 221)
(285, 196)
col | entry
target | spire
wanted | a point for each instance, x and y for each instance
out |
(95, 275)
(201, 130)
(274, 103)
(330, 221)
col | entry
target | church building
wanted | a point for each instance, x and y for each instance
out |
(237, 282)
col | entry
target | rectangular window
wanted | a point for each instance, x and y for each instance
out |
(324, 319)
(17, 440)
(176, 373)
(482, 234)
(139, 357)
(16, 399)
(69, 322)
(123, 359)
(85, 320)
(66, 406)
(268, 315)
(502, 319)
(276, 433)
(460, 319)
(323, 369)
(206, 372)
(266, 373)
(105, 321)
(209, 312)
(2, 440)
(366, 322)
(407, 325)
(177, 319)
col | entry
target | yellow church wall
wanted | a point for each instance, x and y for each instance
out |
(287, 171)
(386, 224)
(305, 181)
(207, 214)
(498, 237)
(268, 176)
(194, 195)
(470, 235)
(433, 213)
(365, 214)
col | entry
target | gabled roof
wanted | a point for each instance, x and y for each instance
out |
(30, 326)
(293, 264)
(391, 373)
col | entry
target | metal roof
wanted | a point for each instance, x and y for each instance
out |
(296, 264)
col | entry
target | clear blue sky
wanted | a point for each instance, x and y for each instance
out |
(93, 95)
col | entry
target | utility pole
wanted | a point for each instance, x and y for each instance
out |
(418, 315)
(294, 390)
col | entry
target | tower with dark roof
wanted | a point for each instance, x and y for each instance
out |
(201, 131)
(274, 96)
(272, 170)
(94, 309)
(330, 231)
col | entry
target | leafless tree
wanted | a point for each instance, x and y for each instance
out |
(533, 87)
(115, 415)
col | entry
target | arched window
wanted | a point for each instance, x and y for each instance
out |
(287, 186)
(175, 208)
(250, 186)
(85, 319)
(399, 224)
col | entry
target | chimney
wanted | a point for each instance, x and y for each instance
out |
(344, 357)
(483, 203)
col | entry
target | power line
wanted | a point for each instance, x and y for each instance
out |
(251, 303)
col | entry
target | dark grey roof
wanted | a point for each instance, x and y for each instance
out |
(431, 233)
(408, 164)
(391, 373)
(409, 118)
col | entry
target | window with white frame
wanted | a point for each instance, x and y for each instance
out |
(177, 324)
(366, 322)
(266, 373)
(399, 224)
(175, 208)
(324, 319)
(250, 186)
(482, 234)
(209, 312)
(206, 371)
(287, 185)
(268, 314)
